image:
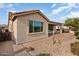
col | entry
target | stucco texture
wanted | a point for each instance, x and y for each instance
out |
(23, 34)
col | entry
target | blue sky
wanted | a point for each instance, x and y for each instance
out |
(54, 11)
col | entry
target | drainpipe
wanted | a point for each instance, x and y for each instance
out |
(12, 31)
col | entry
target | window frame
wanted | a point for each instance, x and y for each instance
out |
(33, 26)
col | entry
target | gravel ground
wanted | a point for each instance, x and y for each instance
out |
(6, 48)
(57, 45)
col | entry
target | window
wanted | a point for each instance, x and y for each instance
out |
(35, 26)
(30, 26)
(50, 27)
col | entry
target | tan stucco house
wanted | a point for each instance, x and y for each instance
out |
(30, 25)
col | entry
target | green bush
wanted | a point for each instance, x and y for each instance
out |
(43, 54)
(77, 33)
(77, 37)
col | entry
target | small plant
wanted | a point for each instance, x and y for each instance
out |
(43, 54)
(31, 48)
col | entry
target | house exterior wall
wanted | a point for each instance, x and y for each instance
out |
(57, 26)
(23, 34)
(13, 29)
(14, 32)
(10, 26)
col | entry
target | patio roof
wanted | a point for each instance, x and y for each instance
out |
(55, 23)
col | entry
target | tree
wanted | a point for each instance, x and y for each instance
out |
(74, 22)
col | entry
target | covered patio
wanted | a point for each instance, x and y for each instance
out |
(54, 28)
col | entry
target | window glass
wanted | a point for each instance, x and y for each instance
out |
(30, 26)
(50, 27)
(35, 26)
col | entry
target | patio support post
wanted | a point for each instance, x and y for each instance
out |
(60, 29)
(54, 30)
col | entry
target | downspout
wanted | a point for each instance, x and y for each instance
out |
(12, 31)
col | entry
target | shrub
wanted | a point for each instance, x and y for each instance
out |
(4, 36)
(6, 30)
(43, 54)
(75, 48)
(77, 37)
(77, 33)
